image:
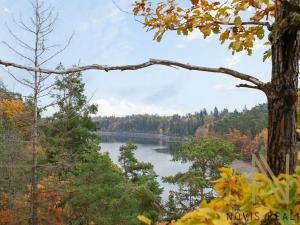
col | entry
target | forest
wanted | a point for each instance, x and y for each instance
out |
(54, 169)
(251, 121)
(246, 129)
(73, 173)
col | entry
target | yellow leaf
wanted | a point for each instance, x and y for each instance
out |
(144, 219)
(237, 21)
(224, 36)
(206, 31)
(222, 220)
(226, 170)
(261, 211)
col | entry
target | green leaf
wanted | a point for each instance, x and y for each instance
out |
(260, 34)
(215, 30)
(285, 217)
(267, 55)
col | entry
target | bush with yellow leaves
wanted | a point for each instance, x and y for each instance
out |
(239, 201)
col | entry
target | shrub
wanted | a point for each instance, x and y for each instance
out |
(239, 201)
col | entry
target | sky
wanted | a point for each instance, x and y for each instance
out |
(105, 35)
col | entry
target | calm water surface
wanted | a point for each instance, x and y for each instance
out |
(156, 152)
(159, 153)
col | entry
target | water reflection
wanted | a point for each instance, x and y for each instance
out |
(167, 144)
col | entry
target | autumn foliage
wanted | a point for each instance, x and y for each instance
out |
(15, 112)
(51, 193)
(15, 211)
(12, 108)
(7, 215)
(239, 201)
(229, 20)
(246, 144)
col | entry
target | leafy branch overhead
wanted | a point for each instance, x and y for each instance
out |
(230, 20)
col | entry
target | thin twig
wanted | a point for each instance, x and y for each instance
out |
(23, 82)
(59, 51)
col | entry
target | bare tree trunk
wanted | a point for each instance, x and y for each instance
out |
(282, 94)
(34, 181)
(40, 25)
(34, 195)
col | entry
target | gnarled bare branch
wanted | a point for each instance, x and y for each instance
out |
(242, 76)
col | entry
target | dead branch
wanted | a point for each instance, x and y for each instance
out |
(247, 86)
(242, 76)
(23, 82)
(17, 52)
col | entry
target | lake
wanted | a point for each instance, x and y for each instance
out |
(157, 151)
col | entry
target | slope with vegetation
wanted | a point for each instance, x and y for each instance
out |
(77, 183)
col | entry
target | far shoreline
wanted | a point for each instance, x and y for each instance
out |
(128, 134)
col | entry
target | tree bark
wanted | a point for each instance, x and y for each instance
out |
(34, 194)
(34, 181)
(282, 93)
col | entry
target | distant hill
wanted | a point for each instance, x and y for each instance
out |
(253, 121)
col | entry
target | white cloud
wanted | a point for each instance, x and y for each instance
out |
(233, 61)
(115, 107)
(6, 10)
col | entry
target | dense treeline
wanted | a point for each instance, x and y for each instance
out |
(250, 121)
(220, 121)
(175, 125)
